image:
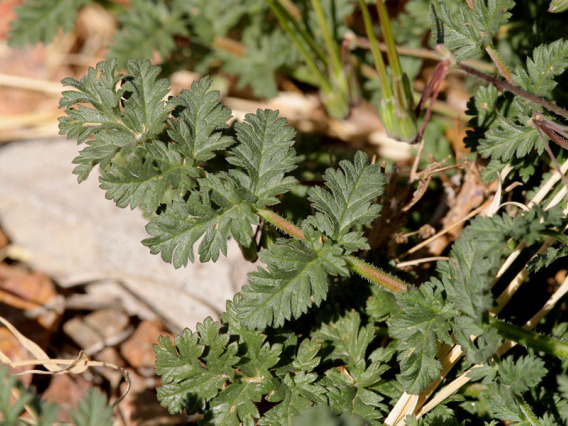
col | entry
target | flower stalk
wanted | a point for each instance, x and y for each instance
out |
(395, 109)
(333, 82)
(539, 342)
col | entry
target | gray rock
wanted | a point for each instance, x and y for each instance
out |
(74, 234)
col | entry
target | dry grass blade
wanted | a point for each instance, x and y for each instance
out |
(454, 386)
(54, 366)
(450, 356)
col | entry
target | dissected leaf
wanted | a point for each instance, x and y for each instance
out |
(158, 174)
(296, 277)
(264, 153)
(510, 140)
(191, 376)
(117, 118)
(348, 338)
(468, 30)
(350, 201)
(220, 210)
(148, 26)
(200, 117)
(547, 62)
(424, 319)
(40, 20)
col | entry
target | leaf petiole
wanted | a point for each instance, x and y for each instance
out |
(357, 265)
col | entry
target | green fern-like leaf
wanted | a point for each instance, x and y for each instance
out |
(510, 140)
(199, 120)
(468, 31)
(547, 62)
(148, 26)
(299, 391)
(423, 319)
(118, 118)
(161, 173)
(157, 174)
(296, 278)
(38, 21)
(350, 201)
(513, 379)
(299, 388)
(348, 338)
(264, 154)
(222, 375)
(97, 88)
(220, 210)
(191, 376)
(522, 374)
(92, 411)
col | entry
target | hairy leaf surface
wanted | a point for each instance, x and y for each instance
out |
(547, 62)
(117, 118)
(220, 210)
(467, 31)
(510, 140)
(264, 153)
(424, 318)
(200, 118)
(296, 278)
(190, 376)
(349, 201)
(158, 174)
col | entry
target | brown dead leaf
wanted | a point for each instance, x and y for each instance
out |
(472, 193)
(137, 350)
(4, 240)
(33, 293)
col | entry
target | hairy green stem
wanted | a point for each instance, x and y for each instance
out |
(281, 223)
(373, 274)
(539, 342)
(530, 417)
(503, 85)
(499, 63)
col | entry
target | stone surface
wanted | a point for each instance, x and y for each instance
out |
(74, 234)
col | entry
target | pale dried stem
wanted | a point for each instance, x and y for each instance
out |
(446, 230)
(548, 185)
(34, 84)
(456, 384)
(453, 354)
(516, 282)
(419, 261)
(406, 404)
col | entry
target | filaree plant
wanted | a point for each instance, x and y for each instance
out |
(429, 292)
